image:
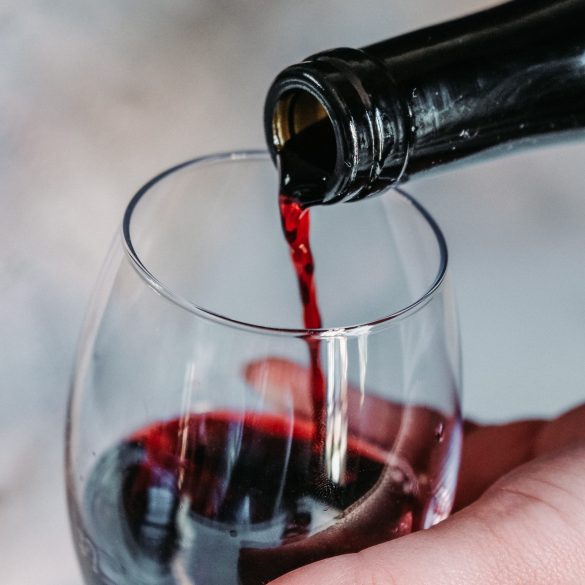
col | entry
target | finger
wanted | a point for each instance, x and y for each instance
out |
(492, 451)
(489, 452)
(281, 382)
(527, 528)
(419, 435)
(286, 384)
(560, 432)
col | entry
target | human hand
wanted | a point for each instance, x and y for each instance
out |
(521, 517)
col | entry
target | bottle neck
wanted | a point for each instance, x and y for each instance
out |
(514, 74)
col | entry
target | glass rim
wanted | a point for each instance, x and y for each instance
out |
(326, 332)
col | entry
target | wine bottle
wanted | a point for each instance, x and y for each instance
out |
(348, 123)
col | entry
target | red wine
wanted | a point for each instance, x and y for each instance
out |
(299, 178)
(296, 227)
(226, 498)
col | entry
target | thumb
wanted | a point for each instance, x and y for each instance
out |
(528, 528)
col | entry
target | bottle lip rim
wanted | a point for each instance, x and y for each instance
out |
(299, 79)
(354, 330)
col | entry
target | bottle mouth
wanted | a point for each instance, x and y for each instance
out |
(305, 143)
(298, 113)
(307, 118)
(342, 109)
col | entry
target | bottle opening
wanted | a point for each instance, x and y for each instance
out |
(306, 144)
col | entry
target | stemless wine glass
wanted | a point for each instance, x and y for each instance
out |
(192, 453)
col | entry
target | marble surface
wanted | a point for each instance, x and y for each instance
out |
(97, 97)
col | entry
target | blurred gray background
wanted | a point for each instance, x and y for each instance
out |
(97, 97)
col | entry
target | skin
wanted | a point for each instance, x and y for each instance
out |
(520, 507)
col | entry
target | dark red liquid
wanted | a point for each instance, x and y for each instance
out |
(229, 498)
(296, 227)
(301, 178)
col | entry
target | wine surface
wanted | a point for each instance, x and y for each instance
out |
(224, 498)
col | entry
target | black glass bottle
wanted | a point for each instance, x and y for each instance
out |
(348, 123)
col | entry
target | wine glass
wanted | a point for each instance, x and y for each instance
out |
(192, 453)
